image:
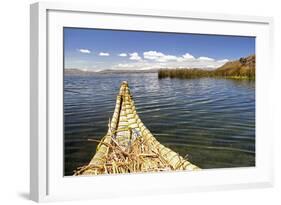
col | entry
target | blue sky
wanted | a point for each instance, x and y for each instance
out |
(95, 49)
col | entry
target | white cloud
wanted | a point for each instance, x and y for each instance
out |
(124, 65)
(137, 65)
(161, 57)
(103, 54)
(83, 50)
(123, 55)
(153, 60)
(188, 56)
(158, 56)
(152, 55)
(135, 56)
(185, 57)
(143, 65)
(166, 58)
(203, 58)
(223, 61)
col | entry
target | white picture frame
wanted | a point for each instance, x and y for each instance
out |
(47, 182)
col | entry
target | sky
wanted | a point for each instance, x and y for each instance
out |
(98, 49)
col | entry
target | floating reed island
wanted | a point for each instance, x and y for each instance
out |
(129, 147)
(244, 68)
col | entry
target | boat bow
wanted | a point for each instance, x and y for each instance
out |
(129, 146)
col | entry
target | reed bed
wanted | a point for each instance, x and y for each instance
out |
(244, 68)
(185, 73)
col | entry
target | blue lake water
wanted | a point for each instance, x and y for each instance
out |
(209, 120)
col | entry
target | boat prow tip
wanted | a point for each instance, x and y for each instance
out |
(124, 82)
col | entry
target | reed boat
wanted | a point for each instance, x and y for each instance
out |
(129, 147)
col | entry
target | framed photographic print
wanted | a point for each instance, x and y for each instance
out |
(154, 101)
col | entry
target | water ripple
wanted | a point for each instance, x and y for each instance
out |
(211, 120)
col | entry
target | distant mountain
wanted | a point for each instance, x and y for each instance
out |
(75, 71)
(129, 71)
(242, 67)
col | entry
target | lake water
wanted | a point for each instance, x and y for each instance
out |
(211, 121)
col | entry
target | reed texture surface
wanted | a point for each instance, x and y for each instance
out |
(129, 147)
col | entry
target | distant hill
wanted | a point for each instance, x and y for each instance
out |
(128, 71)
(243, 68)
(75, 71)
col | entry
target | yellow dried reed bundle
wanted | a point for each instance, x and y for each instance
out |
(129, 146)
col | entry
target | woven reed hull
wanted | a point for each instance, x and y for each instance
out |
(125, 127)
